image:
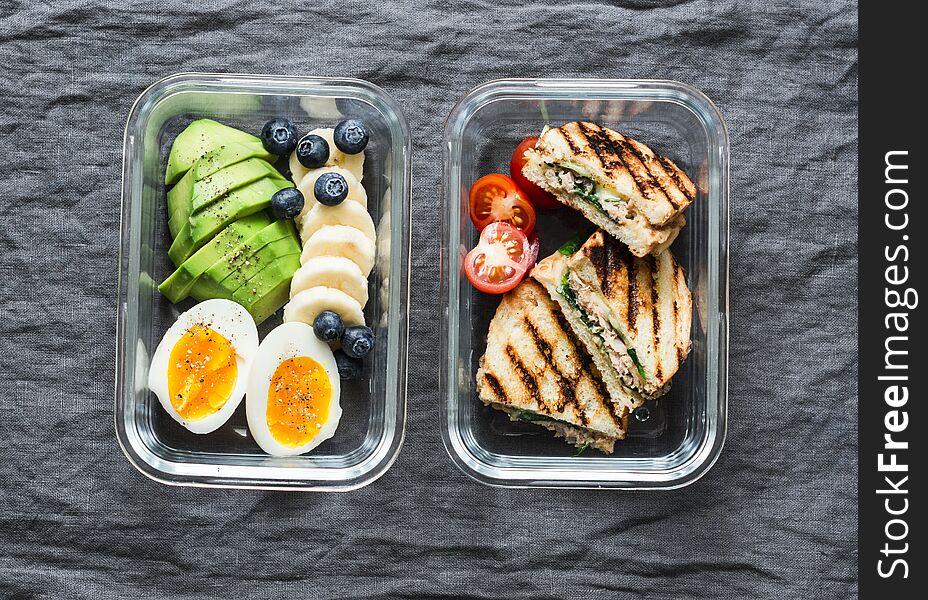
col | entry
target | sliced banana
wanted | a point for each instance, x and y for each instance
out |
(350, 162)
(383, 243)
(341, 240)
(331, 271)
(307, 187)
(306, 306)
(346, 213)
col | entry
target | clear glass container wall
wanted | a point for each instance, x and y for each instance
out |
(684, 431)
(371, 430)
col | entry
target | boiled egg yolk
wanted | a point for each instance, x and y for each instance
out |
(201, 372)
(298, 401)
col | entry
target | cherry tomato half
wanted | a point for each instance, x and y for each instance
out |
(500, 259)
(541, 199)
(496, 198)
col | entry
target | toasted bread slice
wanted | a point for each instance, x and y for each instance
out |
(536, 371)
(634, 314)
(653, 184)
(617, 182)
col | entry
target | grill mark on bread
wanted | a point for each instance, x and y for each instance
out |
(603, 146)
(565, 331)
(528, 380)
(586, 363)
(564, 384)
(620, 418)
(597, 381)
(655, 315)
(617, 154)
(597, 256)
(618, 267)
(613, 260)
(652, 181)
(570, 141)
(632, 295)
(636, 167)
(675, 173)
(495, 386)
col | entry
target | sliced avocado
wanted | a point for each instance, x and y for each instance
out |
(280, 267)
(238, 266)
(183, 246)
(271, 302)
(260, 295)
(179, 198)
(244, 269)
(244, 201)
(177, 286)
(208, 190)
(227, 155)
(197, 139)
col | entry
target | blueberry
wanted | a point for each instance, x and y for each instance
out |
(328, 326)
(358, 341)
(312, 151)
(331, 189)
(279, 136)
(287, 203)
(351, 136)
(348, 368)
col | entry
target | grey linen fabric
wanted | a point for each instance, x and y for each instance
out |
(775, 518)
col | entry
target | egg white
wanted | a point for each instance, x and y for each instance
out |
(288, 340)
(230, 320)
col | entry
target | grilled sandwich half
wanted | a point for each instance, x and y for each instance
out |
(536, 371)
(618, 183)
(633, 314)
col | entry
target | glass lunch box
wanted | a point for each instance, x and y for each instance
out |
(371, 429)
(673, 440)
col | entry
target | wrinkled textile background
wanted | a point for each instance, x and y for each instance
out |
(775, 518)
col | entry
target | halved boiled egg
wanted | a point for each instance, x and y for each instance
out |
(200, 370)
(293, 392)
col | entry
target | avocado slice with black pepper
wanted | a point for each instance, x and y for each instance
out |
(270, 303)
(179, 198)
(237, 271)
(266, 292)
(226, 156)
(200, 137)
(246, 260)
(219, 184)
(203, 226)
(177, 286)
(278, 267)
(241, 202)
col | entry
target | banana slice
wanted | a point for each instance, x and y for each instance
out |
(340, 240)
(331, 271)
(350, 162)
(346, 213)
(306, 306)
(356, 191)
(383, 242)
